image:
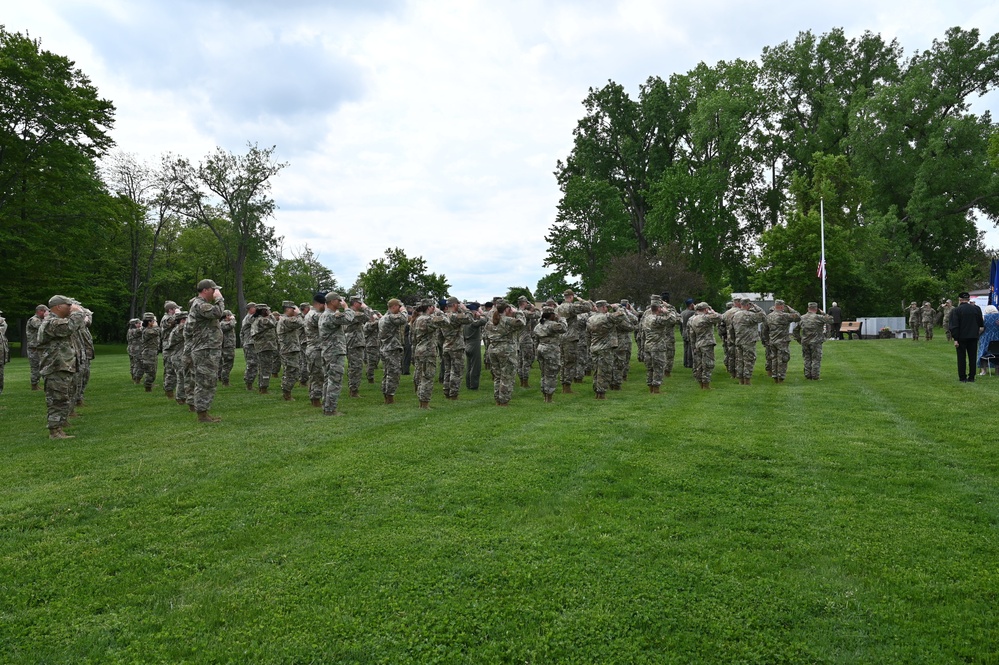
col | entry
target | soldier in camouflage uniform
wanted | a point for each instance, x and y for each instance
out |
(928, 315)
(508, 322)
(915, 320)
(150, 349)
(622, 355)
(265, 343)
(134, 340)
(289, 332)
(946, 307)
(391, 329)
(768, 352)
(173, 355)
(356, 344)
(187, 364)
(314, 351)
(424, 330)
(584, 361)
(205, 330)
(31, 331)
(603, 326)
(569, 311)
(371, 345)
(779, 325)
(701, 331)
(228, 325)
(727, 335)
(549, 332)
(173, 347)
(455, 318)
(4, 348)
(246, 339)
(525, 348)
(59, 361)
(333, 339)
(658, 322)
(304, 374)
(813, 328)
(745, 326)
(85, 345)
(170, 309)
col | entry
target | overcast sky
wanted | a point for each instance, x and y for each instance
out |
(429, 125)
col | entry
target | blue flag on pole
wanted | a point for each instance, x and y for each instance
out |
(994, 283)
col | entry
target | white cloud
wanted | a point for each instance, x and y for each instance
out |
(430, 125)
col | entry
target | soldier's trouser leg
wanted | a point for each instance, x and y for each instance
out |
(452, 380)
(371, 361)
(782, 356)
(276, 363)
(169, 373)
(584, 360)
(317, 373)
(768, 353)
(655, 365)
(603, 370)
(189, 378)
(915, 331)
(250, 356)
(747, 361)
(334, 383)
(929, 332)
(149, 369)
(473, 368)
(446, 366)
(392, 362)
(206, 377)
(266, 362)
(627, 357)
(306, 372)
(292, 370)
(548, 358)
(525, 360)
(426, 370)
(2, 365)
(59, 397)
(814, 361)
(620, 366)
(225, 367)
(806, 360)
(36, 376)
(181, 393)
(688, 354)
(670, 356)
(505, 373)
(83, 378)
(569, 357)
(440, 367)
(355, 367)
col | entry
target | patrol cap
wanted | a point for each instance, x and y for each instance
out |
(43, 308)
(333, 296)
(303, 305)
(912, 303)
(60, 300)
(263, 305)
(781, 302)
(133, 321)
(169, 304)
(568, 292)
(356, 298)
(452, 301)
(394, 301)
(224, 313)
(624, 302)
(148, 316)
(522, 299)
(550, 302)
(500, 303)
(319, 298)
(287, 304)
(183, 315)
(701, 305)
(926, 303)
(813, 305)
(731, 303)
(250, 304)
(600, 303)
(206, 284)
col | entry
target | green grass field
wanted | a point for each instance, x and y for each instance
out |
(852, 520)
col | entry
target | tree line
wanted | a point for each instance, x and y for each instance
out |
(721, 172)
(123, 235)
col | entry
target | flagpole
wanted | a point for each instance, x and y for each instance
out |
(822, 259)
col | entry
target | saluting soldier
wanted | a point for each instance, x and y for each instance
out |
(150, 348)
(355, 344)
(228, 325)
(371, 352)
(928, 316)
(134, 345)
(391, 329)
(289, 332)
(332, 335)
(813, 327)
(34, 323)
(265, 343)
(915, 320)
(314, 351)
(779, 325)
(246, 339)
(603, 327)
(701, 332)
(453, 349)
(472, 335)
(658, 323)
(205, 332)
(59, 361)
(745, 327)
(570, 311)
(548, 333)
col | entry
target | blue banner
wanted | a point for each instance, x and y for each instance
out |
(994, 283)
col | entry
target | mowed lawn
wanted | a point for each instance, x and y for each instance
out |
(853, 520)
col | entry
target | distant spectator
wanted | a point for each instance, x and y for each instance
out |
(837, 314)
(966, 325)
(991, 334)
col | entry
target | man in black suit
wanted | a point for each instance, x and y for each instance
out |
(966, 324)
(837, 315)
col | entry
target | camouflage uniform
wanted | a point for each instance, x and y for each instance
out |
(928, 315)
(355, 350)
(333, 341)
(314, 355)
(31, 331)
(187, 367)
(249, 352)
(167, 322)
(915, 321)
(945, 309)
(525, 351)
(779, 324)
(584, 361)
(424, 330)
(658, 335)
(371, 348)
(506, 334)
(813, 334)
(726, 333)
(289, 333)
(570, 312)
(454, 351)
(173, 346)
(603, 328)
(173, 356)
(549, 350)
(701, 332)
(265, 343)
(4, 349)
(134, 339)
(150, 351)
(622, 355)
(391, 329)
(205, 331)
(228, 325)
(768, 352)
(58, 362)
(745, 325)
(85, 344)
(305, 371)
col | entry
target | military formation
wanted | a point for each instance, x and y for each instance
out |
(336, 339)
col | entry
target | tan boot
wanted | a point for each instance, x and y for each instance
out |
(335, 414)
(655, 390)
(263, 391)
(203, 417)
(666, 374)
(425, 405)
(371, 380)
(390, 398)
(34, 387)
(566, 388)
(601, 396)
(315, 401)
(190, 407)
(249, 386)
(286, 396)
(748, 381)
(149, 389)
(57, 433)
(180, 401)
(652, 390)
(80, 402)
(707, 386)
(74, 414)
(354, 393)
(225, 382)
(169, 394)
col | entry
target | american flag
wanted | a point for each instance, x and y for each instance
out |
(821, 269)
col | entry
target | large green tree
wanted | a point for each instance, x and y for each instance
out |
(398, 276)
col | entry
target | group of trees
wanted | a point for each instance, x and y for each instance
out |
(722, 172)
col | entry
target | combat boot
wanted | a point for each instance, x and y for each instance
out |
(34, 387)
(263, 391)
(566, 388)
(57, 433)
(748, 382)
(180, 401)
(286, 396)
(169, 394)
(707, 386)
(225, 382)
(303, 382)
(249, 386)
(655, 390)
(354, 393)
(386, 398)
(580, 380)
(149, 389)
(548, 398)
(203, 417)
(652, 390)
(601, 395)
(369, 381)
(425, 405)
(666, 374)
(335, 414)
(191, 408)
(316, 401)
(390, 398)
